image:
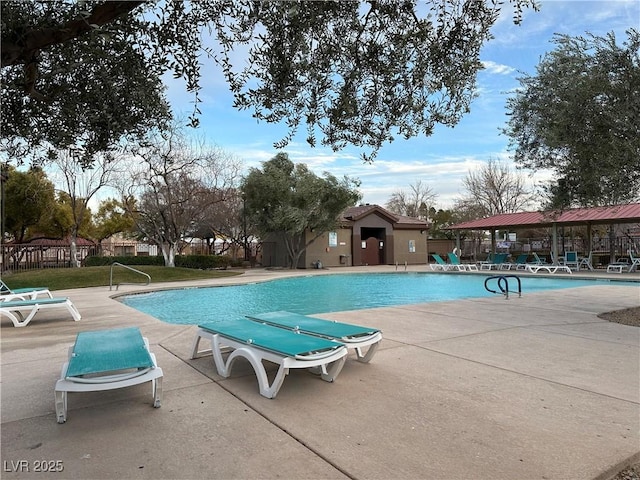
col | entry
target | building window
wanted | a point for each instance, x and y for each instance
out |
(412, 246)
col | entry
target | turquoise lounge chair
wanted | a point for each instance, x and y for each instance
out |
(7, 293)
(571, 260)
(462, 267)
(105, 360)
(17, 310)
(519, 264)
(440, 263)
(494, 261)
(352, 336)
(259, 342)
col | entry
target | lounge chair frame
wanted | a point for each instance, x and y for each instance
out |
(21, 312)
(495, 262)
(327, 363)
(458, 265)
(112, 381)
(635, 262)
(615, 267)
(354, 341)
(7, 293)
(440, 264)
(548, 268)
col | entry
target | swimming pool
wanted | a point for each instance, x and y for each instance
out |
(326, 293)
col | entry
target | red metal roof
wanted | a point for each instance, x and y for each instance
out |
(56, 242)
(356, 213)
(628, 213)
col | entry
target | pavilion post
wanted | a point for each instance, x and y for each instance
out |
(554, 248)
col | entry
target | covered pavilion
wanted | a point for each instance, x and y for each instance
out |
(554, 219)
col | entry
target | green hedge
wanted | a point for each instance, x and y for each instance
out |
(201, 262)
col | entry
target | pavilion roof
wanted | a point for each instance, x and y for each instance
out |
(627, 213)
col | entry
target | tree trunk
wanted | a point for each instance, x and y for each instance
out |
(169, 254)
(74, 248)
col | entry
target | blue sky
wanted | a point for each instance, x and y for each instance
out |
(442, 160)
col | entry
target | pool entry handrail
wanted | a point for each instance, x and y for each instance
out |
(503, 284)
(128, 268)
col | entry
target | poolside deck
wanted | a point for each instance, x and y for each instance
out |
(531, 387)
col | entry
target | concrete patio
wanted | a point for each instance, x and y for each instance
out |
(536, 387)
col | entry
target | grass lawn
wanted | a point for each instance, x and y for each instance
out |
(63, 278)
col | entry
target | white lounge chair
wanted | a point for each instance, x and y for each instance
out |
(258, 342)
(7, 293)
(635, 262)
(586, 262)
(547, 268)
(106, 360)
(354, 337)
(21, 312)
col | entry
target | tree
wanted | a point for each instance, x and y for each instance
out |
(415, 203)
(356, 72)
(80, 184)
(441, 219)
(62, 222)
(580, 116)
(289, 201)
(27, 197)
(492, 190)
(112, 217)
(74, 79)
(175, 183)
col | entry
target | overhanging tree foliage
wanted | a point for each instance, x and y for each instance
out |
(356, 73)
(73, 76)
(580, 116)
(289, 200)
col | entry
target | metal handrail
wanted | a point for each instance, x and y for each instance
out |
(124, 283)
(504, 290)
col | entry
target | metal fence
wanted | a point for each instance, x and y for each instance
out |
(20, 257)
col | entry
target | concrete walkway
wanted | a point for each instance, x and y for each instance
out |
(535, 387)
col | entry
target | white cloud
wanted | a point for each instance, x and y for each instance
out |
(497, 68)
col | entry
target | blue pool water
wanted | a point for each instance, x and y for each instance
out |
(326, 293)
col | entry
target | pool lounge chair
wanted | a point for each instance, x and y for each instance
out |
(586, 262)
(457, 264)
(258, 342)
(635, 262)
(538, 260)
(547, 268)
(353, 337)
(7, 293)
(519, 264)
(106, 360)
(440, 263)
(494, 261)
(617, 267)
(571, 260)
(21, 312)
